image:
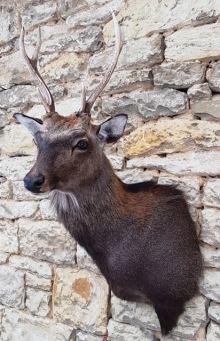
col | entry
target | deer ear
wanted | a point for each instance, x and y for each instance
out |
(33, 125)
(112, 129)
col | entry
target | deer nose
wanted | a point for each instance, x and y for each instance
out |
(34, 184)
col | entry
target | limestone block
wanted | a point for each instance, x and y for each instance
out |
(210, 231)
(71, 7)
(214, 81)
(81, 300)
(198, 163)
(214, 312)
(84, 261)
(8, 236)
(116, 161)
(47, 210)
(16, 141)
(150, 104)
(131, 176)
(212, 193)
(213, 332)
(189, 185)
(125, 332)
(3, 257)
(158, 16)
(34, 281)
(10, 25)
(38, 14)
(18, 96)
(21, 326)
(5, 191)
(211, 257)
(80, 336)
(94, 15)
(42, 269)
(179, 75)
(209, 284)
(171, 136)
(200, 92)
(46, 240)
(37, 301)
(12, 291)
(88, 39)
(13, 210)
(3, 118)
(16, 168)
(20, 193)
(193, 43)
(207, 109)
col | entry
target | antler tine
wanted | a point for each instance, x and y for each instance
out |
(31, 63)
(83, 98)
(119, 41)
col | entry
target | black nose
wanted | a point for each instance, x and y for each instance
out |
(34, 184)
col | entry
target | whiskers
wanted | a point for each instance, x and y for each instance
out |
(64, 201)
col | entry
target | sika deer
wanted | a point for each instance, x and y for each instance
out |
(141, 236)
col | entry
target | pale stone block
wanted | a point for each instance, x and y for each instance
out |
(16, 168)
(5, 191)
(42, 269)
(3, 118)
(207, 109)
(125, 332)
(213, 332)
(81, 300)
(13, 210)
(38, 14)
(46, 240)
(197, 163)
(210, 231)
(37, 301)
(21, 326)
(34, 281)
(131, 176)
(47, 210)
(211, 257)
(20, 96)
(210, 284)
(214, 82)
(214, 312)
(3, 257)
(8, 236)
(200, 92)
(12, 291)
(117, 162)
(193, 43)
(212, 193)
(10, 25)
(84, 261)
(80, 336)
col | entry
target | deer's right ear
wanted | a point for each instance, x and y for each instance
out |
(112, 129)
(33, 125)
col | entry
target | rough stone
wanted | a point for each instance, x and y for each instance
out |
(193, 43)
(150, 104)
(210, 231)
(37, 301)
(211, 257)
(81, 300)
(47, 211)
(117, 162)
(213, 332)
(189, 185)
(20, 326)
(5, 191)
(38, 14)
(13, 210)
(94, 16)
(86, 337)
(210, 284)
(18, 96)
(16, 168)
(42, 269)
(198, 163)
(214, 312)
(70, 7)
(214, 82)
(3, 119)
(46, 240)
(143, 18)
(211, 193)
(131, 176)
(12, 291)
(20, 193)
(3, 259)
(121, 332)
(84, 261)
(200, 92)
(148, 52)
(179, 75)
(207, 109)
(10, 25)
(8, 236)
(16, 140)
(34, 281)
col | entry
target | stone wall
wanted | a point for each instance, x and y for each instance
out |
(168, 82)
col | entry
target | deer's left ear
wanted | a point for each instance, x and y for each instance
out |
(33, 125)
(112, 129)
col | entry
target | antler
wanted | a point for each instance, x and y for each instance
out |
(119, 41)
(31, 63)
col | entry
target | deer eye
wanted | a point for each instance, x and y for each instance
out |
(82, 145)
